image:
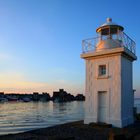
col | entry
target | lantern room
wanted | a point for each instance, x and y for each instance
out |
(109, 28)
(109, 35)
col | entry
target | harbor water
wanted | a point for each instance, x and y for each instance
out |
(18, 117)
(22, 116)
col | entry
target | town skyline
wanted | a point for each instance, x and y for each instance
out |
(41, 41)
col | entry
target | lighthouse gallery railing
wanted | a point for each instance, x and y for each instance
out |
(89, 45)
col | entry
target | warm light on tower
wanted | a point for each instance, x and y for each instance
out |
(109, 91)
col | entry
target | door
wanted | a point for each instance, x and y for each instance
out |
(102, 106)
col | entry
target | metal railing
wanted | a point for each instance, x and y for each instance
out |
(90, 45)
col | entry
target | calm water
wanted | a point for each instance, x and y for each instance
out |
(137, 104)
(19, 116)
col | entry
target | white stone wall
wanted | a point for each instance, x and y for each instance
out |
(116, 79)
(127, 91)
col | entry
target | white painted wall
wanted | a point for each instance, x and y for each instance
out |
(117, 83)
(127, 91)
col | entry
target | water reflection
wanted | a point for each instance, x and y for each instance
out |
(20, 116)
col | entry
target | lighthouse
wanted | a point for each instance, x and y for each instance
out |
(109, 76)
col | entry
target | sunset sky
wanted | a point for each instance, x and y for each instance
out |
(41, 41)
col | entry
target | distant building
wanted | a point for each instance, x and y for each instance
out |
(62, 96)
(35, 96)
(1, 94)
(45, 96)
(109, 85)
(80, 97)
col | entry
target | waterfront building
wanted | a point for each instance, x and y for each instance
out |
(45, 96)
(109, 86)
(1, 94)
(35, 96)
(62, 96)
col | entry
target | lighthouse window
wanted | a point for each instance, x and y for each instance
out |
(102, 70)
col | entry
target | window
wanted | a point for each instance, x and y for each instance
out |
(102, 70)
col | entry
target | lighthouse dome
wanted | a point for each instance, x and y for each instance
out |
(103, 29)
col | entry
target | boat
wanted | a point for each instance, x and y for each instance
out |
(2, 100)
(26, 99)
(14, 99)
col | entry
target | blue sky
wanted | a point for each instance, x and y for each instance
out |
(40, 41)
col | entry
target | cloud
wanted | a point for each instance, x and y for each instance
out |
(18, 82)
(4, 56)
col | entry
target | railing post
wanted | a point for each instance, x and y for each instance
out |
(83, 50)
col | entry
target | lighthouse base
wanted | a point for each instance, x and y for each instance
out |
(115, 122)
(122, 123)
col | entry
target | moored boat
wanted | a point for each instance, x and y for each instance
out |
(26, 99)
(14, 99)
(3, 100)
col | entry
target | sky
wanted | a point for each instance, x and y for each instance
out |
(41, 41)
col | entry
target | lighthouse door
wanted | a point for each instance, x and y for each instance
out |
(102, 106)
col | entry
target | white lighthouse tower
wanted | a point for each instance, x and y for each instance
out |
(109, 85)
